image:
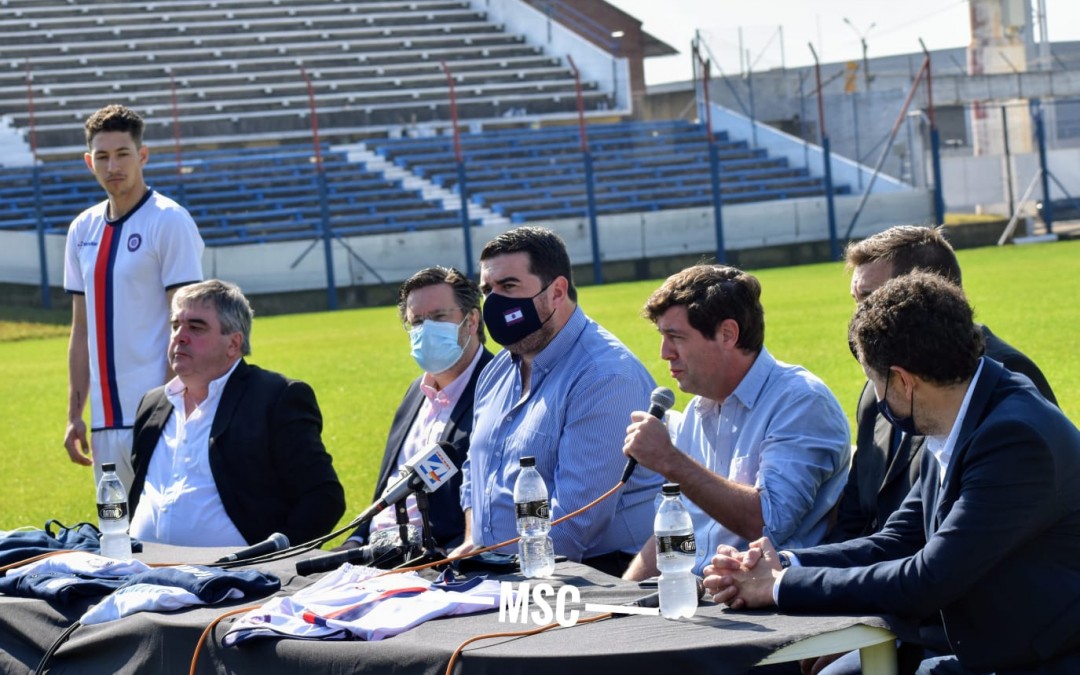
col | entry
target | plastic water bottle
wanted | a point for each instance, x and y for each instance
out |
(536, 553)
(676, 552)
(112, 507)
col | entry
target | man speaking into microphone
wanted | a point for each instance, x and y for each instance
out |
(762, 447)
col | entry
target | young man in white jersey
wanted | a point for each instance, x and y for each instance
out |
(124, 258)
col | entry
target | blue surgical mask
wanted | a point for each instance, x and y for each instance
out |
(435, 345)
(903, 424)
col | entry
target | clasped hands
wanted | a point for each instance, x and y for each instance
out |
(743, 579)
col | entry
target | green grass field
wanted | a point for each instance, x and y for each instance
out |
(358, 362)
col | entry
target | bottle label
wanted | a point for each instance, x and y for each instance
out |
(537, 509)
(112, 511)
(672, 544)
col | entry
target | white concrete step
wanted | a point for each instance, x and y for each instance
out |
(450, 200)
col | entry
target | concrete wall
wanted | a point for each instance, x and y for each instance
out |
(981, 181)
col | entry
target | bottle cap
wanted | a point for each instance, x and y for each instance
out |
(671, 489)
(108, 467)
(527, 462)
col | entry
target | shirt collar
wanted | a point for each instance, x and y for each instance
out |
(560, 345)
(749, 389)
(942, 446)
(174, 390)
(449, 394)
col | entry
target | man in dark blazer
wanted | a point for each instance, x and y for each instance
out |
(440, 308)
(886, 462)
(228, 453)
(988, 541)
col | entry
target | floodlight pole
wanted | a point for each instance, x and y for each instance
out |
(935, 140)
(459, 159)
(834, 248)
(862, 40)
(714, 163)
(39, 216)
(320, 176)
(590, 188)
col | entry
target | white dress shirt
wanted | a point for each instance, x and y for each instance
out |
(180, 504)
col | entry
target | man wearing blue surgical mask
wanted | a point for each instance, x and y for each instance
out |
(561, 391)
(439, 308)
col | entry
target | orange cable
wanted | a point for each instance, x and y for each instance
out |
(32, 559)
(508, 541)
(520, 633)
(209, 628)
(206, 632)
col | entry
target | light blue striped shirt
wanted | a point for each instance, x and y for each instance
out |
(782, 431)
(573, 420)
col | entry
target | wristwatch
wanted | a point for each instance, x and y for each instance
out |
(784, 558)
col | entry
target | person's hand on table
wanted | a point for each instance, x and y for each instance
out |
(464, 548)
(738, 580)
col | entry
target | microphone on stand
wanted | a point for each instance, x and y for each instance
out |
(660, 401)
(274, 543)
(427, 471)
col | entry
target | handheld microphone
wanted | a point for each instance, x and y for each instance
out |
(660, 401)
(274, 543)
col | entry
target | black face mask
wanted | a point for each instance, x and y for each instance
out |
(511, 320)
(903, 424)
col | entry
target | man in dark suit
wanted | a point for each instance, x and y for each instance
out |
(227, 453)
(988, 541)
(886, 462)
(440, 308)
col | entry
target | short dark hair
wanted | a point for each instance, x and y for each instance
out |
(233, 310)
(115, 117)
(921, 322)
(908, 248)
(711, 295)
(466, 292)
(547, 253)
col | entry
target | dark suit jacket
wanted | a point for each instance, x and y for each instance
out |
(266, 455)
(447, 518)
(995, 551)
(886, 463)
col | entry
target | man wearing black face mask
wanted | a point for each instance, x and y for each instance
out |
(988, 540)
(887, 456)
(561, 391)
(440, 309)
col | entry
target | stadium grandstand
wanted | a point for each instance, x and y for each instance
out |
(284, 120)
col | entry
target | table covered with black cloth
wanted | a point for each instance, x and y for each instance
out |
(715, 641)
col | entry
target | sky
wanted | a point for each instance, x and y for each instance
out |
(889, 27)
